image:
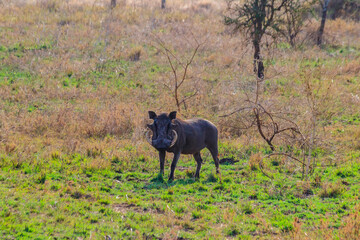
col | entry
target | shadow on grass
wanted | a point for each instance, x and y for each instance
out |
(158, 182)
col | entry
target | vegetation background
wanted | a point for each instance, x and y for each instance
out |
(77, 79)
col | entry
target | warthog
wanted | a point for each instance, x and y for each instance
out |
(170, 134)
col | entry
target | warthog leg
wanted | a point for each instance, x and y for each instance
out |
(162, 161)
(173, 165)
(214, 153)
(198, 160)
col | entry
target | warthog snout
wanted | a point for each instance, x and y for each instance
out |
(161, 144)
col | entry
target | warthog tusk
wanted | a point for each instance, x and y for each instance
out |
(148, 137)
(175, 138)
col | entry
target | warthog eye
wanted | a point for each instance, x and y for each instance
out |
(169, 129)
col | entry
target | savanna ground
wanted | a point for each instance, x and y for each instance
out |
(77, 80)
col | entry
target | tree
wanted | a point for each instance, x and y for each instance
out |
(256, 18)
(162, 3)
(113, 4)
(293, 19)
(324, 6)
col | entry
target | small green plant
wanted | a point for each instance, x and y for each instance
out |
(317, 181)
(196, 215)
(179, 209)
(41, 178)
(247, 208)
(158, 179)
(275, 162)
(105, 189)
(28, 229)
(104, 202)
(227, 180)
(188, 226)
(167, 198)
(233, 230)
(93, 152)
(285, 225)
(331, 191)
(94, 220)
(212, 178)
(60, 219)
(345, 173)
(202, 188)
(65, 83)
(189, 173)
(55, 155)
(55, 187)
(219, 186)
(77, 195)
(254, 161)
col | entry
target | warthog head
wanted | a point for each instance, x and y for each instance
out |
(163, 134)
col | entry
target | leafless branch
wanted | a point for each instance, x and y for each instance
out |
(178, 81)
(236, 111)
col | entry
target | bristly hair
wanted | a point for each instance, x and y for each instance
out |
(163, 115)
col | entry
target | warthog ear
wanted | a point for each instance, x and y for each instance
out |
(172, 115)
(152, 115)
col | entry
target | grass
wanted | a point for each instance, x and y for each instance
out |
(65, 200)
(76, 82)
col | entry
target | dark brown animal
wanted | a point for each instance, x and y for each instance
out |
(187, 137)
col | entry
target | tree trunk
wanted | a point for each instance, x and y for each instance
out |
(323, 19)
(163, 4)
(112, 4)
(292, 39)
(258, 64)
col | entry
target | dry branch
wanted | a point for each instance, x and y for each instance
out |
(178, 77)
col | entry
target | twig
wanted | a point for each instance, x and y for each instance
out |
(236, 111)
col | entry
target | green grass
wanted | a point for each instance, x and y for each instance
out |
(61, 197)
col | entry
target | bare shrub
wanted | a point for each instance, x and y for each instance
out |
(254, 161)
(50, 5)
(179, 76)
(116, 120)
(304, 189)
(98, 164)
(135, 53)
(36, 125)
(331, 190)
(351, 227)
(296, 232)
(10, 147)
(268, 124)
